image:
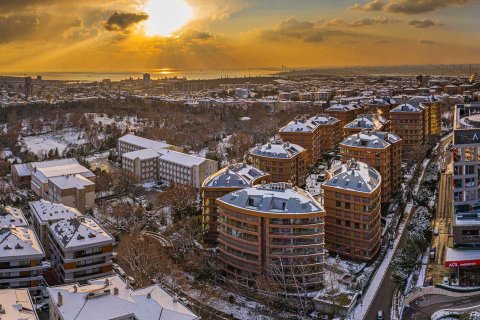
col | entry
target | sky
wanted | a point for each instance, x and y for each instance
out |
(124, 35)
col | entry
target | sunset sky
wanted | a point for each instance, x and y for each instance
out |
(110, 35)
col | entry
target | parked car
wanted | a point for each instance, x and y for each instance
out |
(433, 252)
(380, 315)
(435, 231)
(446, 281)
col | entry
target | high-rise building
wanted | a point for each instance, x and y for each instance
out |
(408, 122)
(352, 200)
(231, 178)
(284, 161)
(380, 150)
(271, 229)
(317, 135)
(28, 87)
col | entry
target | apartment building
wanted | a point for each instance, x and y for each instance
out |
(268, 228)
(433, 114)
(408, 122)
(80, 250)
(352, 200)
(317, 135)
(21, 256)
(112, 298)
(364, 122)
(12, 216)
(17, 304)
(141, 165)
(69, 181)
(130, 142)
(345, 112)
(380, 150)
(231, 178)
(43, 213)
(381, 106)
(185, 169)
(284, 161)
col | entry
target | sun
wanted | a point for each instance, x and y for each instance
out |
(166, 16)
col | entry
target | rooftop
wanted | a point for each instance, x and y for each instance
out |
(69, 181)
(371, 139)
(18, 242)
(48, 211)
(143, 154)
(411, 106)
(273, 198)
(12, 216)
(343, 107)
(238, 175)
(49, 169)
(181, 158)
(367, 121)
(144, 143)
(79, 231)
(17, 305)
(356, 176)
(277, 149)
(110, 298)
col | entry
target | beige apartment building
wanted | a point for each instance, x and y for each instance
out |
(408, 122)
(352, 200)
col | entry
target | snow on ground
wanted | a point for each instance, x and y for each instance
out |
(244, 118)
(130, 122)
(313, 186)
(97, 156)
(423, 270)
(60, 140)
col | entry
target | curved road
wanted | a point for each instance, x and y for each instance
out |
(426, 306)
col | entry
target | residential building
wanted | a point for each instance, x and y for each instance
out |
(433, 114)
(345, 112)
(17, 304)
(380, 150)
(231, 178)
(408, 122)
(268, 228)
(363, 122)
(381, 106)
(317, 135)
(21, 256)
(284, 161)
(130, 142)
(352, 200)
(43, 213)
(80, 250)
(10, 216)
(141, 165)
(70, 181)
(111, 298)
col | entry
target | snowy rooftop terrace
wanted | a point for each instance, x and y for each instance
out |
(239, 175)
(17, 305)
(143, 142)
(356, 176)
(12, 216)
(277, 149)
(46, 211)
(18, 242)
(273, 198)
(371, 139)
(367, 121)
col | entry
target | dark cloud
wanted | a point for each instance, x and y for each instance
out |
(372, 21)
(17, 27)
(426, 41)
(123, 21)
(410, 6)
(195, 35)
(424, 23)
(382, 42)
(314, 37)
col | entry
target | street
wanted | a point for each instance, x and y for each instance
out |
(428, 305)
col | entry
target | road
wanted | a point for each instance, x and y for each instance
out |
(425, 308)
(383, 298)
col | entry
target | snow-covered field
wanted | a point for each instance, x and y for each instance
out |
(61, 140)
(130, 122)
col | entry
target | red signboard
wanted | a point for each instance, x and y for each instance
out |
(462, 263)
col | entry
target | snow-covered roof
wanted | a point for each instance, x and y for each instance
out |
(240, 175)
(371, 139)
(109, 298)
(17, 305)
(22, 170)
(381, 102)
(46, 211)
(323, 119)
(301, 125)
(367, 121)
(144, 143)
(80, 231)
(277, 149)
(356, 176)
(18, 242)
(12, 216)
(142, 154)
(181, 158)
(342, 107)
(49, 169)
(411, 106)
(462, 256)
(273, 198)
(76, 181)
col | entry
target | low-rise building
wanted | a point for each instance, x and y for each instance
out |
(274, 230)
(380, 150)
(80, 250)
(72, 190)
(141, 165)
(352, 200)
(130, 142)
(21, 256)
(284, 161)
(43, 213)
(16, 304)
(231, 178)
(111, 298)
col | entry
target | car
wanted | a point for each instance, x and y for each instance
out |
(433, 252)
(446, 281)
(380, 315)
(435, 231)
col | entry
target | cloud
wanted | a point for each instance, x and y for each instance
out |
(290, 28)
(195, 35)
(349, 42)
(372, 21)
(424, 23)
(335, 22)
(426, 41)
(382, 42)
(217, 9)
(410, 6)
(17, 27)
(314, 37)
(123, 21)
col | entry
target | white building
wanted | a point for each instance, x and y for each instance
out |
(80, 250)
(12, 216)
(21, 257)
(111, 298)
(16, 304)
(130, 142)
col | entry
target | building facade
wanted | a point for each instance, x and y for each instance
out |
(345, 112)
(408, 122)
(352, 200)
(268, 229)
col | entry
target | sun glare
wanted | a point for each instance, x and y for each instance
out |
(166, 16)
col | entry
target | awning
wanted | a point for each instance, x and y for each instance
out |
(462, 258)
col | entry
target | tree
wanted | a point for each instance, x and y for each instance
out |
(182, 199)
